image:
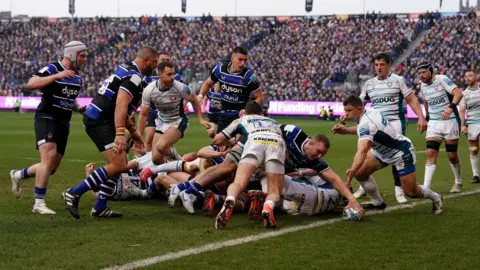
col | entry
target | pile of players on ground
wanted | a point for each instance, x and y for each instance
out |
(253, 162)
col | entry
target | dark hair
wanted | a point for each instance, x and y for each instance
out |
(471, 70)
(352, 100)
(162, 65)
(253, 107)
(240, 50)
(322, 138)
(164, 53)
(382, 56)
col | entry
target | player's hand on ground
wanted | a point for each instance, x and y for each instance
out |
(355, 205)
(464, 129)
(422, 126)
(89, 168)
(65, 74)
(339, 129)
(119, 144)
(446, 113)
(343, 118)
(349, 173)
(205, 123)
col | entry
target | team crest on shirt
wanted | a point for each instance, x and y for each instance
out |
(389, 84)
(173, 99)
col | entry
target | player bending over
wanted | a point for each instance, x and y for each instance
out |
(379, 145)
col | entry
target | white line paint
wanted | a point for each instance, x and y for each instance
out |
(425, 151)
(234, 242)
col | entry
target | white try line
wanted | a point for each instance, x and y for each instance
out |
(425, 151)
(234, 242)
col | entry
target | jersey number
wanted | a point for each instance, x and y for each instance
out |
(105, 84)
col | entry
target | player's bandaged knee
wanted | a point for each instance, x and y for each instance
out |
(473, 148)
(451, 147)
(433, 145)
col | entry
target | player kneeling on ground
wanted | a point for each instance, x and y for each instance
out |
(379, 145)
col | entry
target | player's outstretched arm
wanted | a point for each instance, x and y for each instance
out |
(363, 146)
(412, 100)
(208, 152)
(341, 129)
(331, 177)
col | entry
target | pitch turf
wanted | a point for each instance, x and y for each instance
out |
(409, 238)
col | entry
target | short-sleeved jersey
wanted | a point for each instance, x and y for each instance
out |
(215, 102)
(295, 139)
(169, 102)
(235, 87)
(387, 95)
(438, 96)
(250, 124)
(386, 140)
(58, 98)
(145, 82)
(471, 100)
(127, 77)
(149, 79)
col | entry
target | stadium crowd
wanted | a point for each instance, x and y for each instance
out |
(451, 45)
(300, 59)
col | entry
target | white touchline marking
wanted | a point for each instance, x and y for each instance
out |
(234, 242)
(425, 151)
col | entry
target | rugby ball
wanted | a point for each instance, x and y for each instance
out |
(351, 214)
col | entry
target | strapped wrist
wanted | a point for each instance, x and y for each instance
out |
(120, 131)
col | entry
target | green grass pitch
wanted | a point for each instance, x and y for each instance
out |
(411, 238)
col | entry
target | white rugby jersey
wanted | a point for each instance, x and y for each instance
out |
(387, 95)
(387, 142)
(471, 100)
(249, 124)
(169, 103)
(438, 96)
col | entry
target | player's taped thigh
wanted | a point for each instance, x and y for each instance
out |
(451, 147)
(433, 145)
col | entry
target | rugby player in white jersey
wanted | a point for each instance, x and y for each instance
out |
(264, 148)
(471, 104)
(167, 95)
(386, 92)
(441, 98)
(380, 145)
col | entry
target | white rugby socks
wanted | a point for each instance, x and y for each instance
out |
(429, 171)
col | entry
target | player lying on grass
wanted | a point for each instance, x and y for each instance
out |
(379, 145)
(191, 163)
